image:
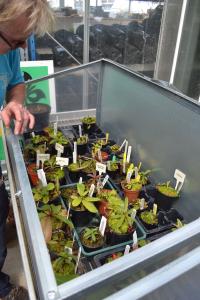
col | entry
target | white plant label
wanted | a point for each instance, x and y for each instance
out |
(133, 214)
(55, 128)
(135, 239)
(68, 250)
(107, 137)
(99, 155)
(155, 208)
(122, 145)
(59, 148)
(78, 258)
(74, 157)
(128, 176)
(68, 211)
(129, 154)
(105, 180)
(180, 178)
(102, 225)
(91, 191)
(136, 172)
(126, 147)
(80, 130)
(80, 180)
(62, 161)
(42, 177)
(42, 157)
(108, 165)
(33, 134)
(101, 168)
(127, 250)
(142, 201)
(75, 149)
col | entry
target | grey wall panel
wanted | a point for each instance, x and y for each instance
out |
(162, 127)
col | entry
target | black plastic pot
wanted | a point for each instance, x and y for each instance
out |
(82, 149)
(89, 128)
(164, 202)
(80, 218)
(113, 238)
(41, 113)
(75, 176)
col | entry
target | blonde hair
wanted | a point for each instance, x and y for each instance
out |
(39, 14)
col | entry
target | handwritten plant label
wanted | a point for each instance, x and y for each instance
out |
(78, 259)
(74, 157)
(127, 250)
(133, 214)
(122, 145)
(129, 154)
(107, 137)
(42, 177)
(91, 191)
(59, 148)
(42, 157)
(105, 180)
(128, 175)
(80, 130)
(33, 134)
(80, 180)
(126, 148)
(68, 211)
(102, 225)
(55, 128)
(101, 168)
(141, 203)
(62, 161)
(135, 239)
(136, 172)
(180, 178)
(155, 208)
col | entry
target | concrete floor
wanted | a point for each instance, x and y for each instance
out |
(13, 264)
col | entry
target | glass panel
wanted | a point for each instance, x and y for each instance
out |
(161, 127)
(70, 91)
(68, 16)
(184, 287)
(124, 279)
(126, 32)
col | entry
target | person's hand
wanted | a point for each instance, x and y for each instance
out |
(20, 114)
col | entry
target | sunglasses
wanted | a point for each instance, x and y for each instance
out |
(12, 45)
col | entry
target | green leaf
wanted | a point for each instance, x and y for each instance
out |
(80, 188)
(92, 199)
(55, 209)
(64, 278)
(90, 206)
(76, 202)
(50, 186)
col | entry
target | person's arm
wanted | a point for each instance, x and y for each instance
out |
(15, 110)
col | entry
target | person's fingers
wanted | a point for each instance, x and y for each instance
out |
(18, 116)
(31, 121)
(6, 117)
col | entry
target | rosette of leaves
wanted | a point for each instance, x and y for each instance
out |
(52, 170)
(52, 217)
(30, 150)
(92, 237)
(39, 139)
(133, 185)
(149, 217)
(79, 166)
(112, 166)
(58, 138)
(113, 199)
(136, 204)
(167, 190)
(115, 148)
(59, 242)
(90, 166)
(67, 192)
(82, 140)
(82, 200)
(120, 220)
(64, 267)
(95, 148)
(45, 194)
(88, 121)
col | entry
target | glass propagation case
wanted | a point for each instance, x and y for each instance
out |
(162, 125)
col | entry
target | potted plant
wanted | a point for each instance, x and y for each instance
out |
(76, 170)
(64, 267)
(59, 242)
(120, 224)
(165, 195)
(115, 149)
(82, 206)
(53, 171)
(112, 169)
(59, 138)
(32, 173)
(30, 151)
(38, 140)
(82, 144)
(46, 194)
(109, 200)
(91, 239)
(136, 204)
(149, 219)
(131, 189)
(89, 124)
(52, 217)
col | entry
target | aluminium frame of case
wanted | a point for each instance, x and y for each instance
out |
(37, 250)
